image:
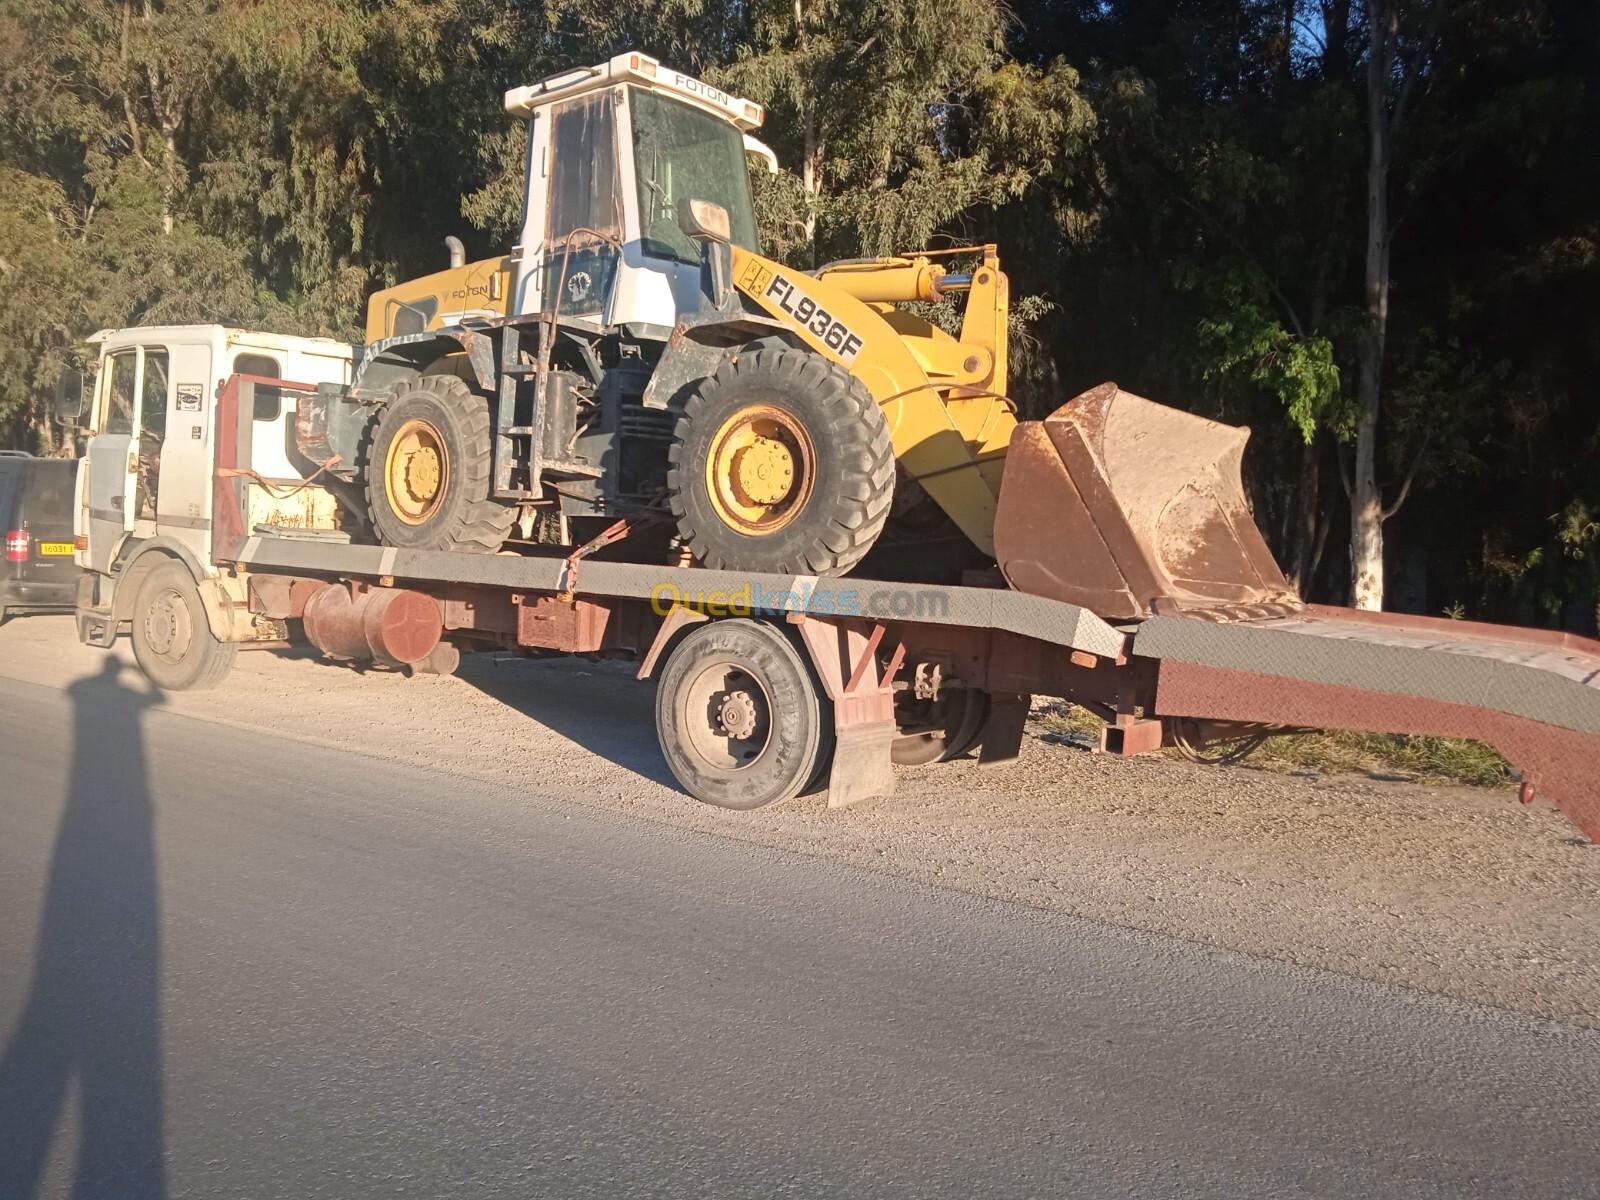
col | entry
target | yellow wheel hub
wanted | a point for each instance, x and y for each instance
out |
(761, 469)
(416, 471)
(764, 471)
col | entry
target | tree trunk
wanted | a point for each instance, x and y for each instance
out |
(811, 178)
(1303, 530)
(811, 152)
(1283, 53)
(1335, 33)
(41, 426)
(1366, 502)
(169, 188)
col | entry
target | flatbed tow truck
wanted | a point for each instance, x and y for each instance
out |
(768, 685)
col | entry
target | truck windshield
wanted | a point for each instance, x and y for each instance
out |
(680, 151)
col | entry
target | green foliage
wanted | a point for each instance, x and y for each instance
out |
(1578, 529)
(1448, 760)
(1249, 346)
(900, 119)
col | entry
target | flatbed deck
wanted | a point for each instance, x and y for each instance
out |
(1048, 620)
(1534, 695)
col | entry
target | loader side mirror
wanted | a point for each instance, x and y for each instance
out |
(69, 397)
(709, 225)
(704, 220)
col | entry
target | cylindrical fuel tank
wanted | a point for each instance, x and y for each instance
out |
(392, 626)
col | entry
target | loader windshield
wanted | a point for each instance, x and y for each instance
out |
(681, 152)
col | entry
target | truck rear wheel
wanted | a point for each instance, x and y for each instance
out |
(172, 639)
(782, 462)
(428, 470)
(938, 730)
(741, 720)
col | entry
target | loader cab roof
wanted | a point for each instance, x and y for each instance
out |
(642, 71)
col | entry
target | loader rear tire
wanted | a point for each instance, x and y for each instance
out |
(782, 462)
(427, 470)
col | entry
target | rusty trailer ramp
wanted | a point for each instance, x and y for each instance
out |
(1533, 695)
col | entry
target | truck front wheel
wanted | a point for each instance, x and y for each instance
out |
(742, 721)
(172, 640)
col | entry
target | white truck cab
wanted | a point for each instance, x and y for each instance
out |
(146, 483)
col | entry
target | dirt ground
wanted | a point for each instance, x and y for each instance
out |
(1459, 891)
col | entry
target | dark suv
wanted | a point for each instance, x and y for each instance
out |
(36, 499)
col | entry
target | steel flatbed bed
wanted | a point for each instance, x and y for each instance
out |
(1534, 695)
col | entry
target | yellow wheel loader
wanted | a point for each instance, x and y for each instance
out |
(636, 356)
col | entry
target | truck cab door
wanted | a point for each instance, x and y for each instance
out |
(112, 459)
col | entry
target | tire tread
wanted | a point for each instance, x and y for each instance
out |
(481, 523)
(853, 427)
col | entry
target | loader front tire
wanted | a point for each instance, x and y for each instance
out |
(782, 462)
(427, 470)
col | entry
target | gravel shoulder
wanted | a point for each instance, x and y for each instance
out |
(1456, 891)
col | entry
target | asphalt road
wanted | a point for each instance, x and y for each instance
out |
(242, 965)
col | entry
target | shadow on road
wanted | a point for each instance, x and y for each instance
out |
(92, 1016)
(599, 706)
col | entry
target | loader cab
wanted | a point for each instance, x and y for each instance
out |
(613, 153)
(150, 411)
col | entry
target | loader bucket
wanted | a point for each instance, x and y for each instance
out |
(1131, 509)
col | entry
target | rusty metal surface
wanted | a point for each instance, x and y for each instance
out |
(556, 623)
(1448, 630)
(1558, 762)
(479, 610)
(843, 654)
(393, 626)
(1517, 672)
(1129, 735)
(271, 595)
(674, 623)
(1129, 508)
(1037, 617)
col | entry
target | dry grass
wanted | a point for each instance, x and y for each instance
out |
(1444, 759)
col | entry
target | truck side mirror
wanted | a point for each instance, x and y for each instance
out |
(709, 225)
(69, 397)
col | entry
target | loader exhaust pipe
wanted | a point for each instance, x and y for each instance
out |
(458, 252)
